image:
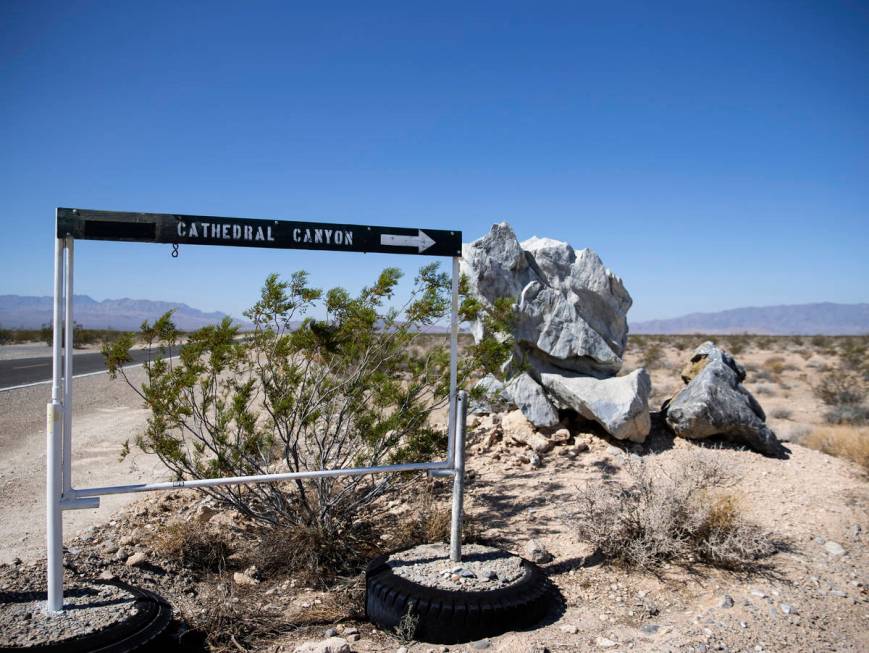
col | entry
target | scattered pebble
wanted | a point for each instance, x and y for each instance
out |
(834, 548)
(536, 552)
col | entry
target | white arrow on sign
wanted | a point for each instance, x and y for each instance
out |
(422, 241)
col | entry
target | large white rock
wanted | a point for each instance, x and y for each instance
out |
(570, 330)
(620, 404)
(570, 309)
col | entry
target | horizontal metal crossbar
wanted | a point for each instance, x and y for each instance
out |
(260, 478)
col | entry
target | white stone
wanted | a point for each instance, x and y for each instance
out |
(620, 404)
(331, 645)
(834, 548)
(571, 310)
(520, 430)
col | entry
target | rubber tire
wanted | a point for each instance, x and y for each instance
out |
(134, 634)
(456, 617)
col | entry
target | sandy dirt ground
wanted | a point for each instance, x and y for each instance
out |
(105, 414)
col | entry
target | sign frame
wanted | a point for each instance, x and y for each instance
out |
(89, 224)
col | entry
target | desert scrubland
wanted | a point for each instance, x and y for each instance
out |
(806, 592)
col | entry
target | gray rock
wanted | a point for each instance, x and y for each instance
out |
(714, 402)
(620, 404)
(493, 397)
(530, 398)
(570, 310)
(726, 601)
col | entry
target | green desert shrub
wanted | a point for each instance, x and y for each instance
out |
(298, 394)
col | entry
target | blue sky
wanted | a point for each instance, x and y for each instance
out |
(715, 154)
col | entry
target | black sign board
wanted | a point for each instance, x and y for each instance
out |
(87, 224)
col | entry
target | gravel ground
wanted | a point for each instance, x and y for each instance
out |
(87, 608)
(105, 414)
(481, 568)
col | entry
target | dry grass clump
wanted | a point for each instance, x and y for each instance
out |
(231, 617)
(194, 546)
(686, 516)
(311, 555)
(429, 523)
(775, 366)
(848, 442)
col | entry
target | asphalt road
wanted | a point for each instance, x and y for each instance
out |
(34, 370)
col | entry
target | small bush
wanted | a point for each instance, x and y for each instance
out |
(847, 414)
(195, 547)
(843, 391)
(781, 413)
(684, 517)
(738, 344)
(652, 356)
(841, 441)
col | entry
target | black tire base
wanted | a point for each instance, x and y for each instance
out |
(134, 634)
(455, 617)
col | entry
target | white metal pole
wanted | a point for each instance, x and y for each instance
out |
(458, 480)
(454, 355)
(66, 450)
(53, 462)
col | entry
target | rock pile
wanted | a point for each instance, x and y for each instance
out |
(715, 403)
(570, 332)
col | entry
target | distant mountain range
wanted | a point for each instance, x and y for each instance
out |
(798, 319)
(21, 312)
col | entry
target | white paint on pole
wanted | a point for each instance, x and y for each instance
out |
(421, 241)
(66, 449)
(53, 462)
(458, 480)
(454, 349)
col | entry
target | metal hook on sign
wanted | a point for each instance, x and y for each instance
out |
(174, 250)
